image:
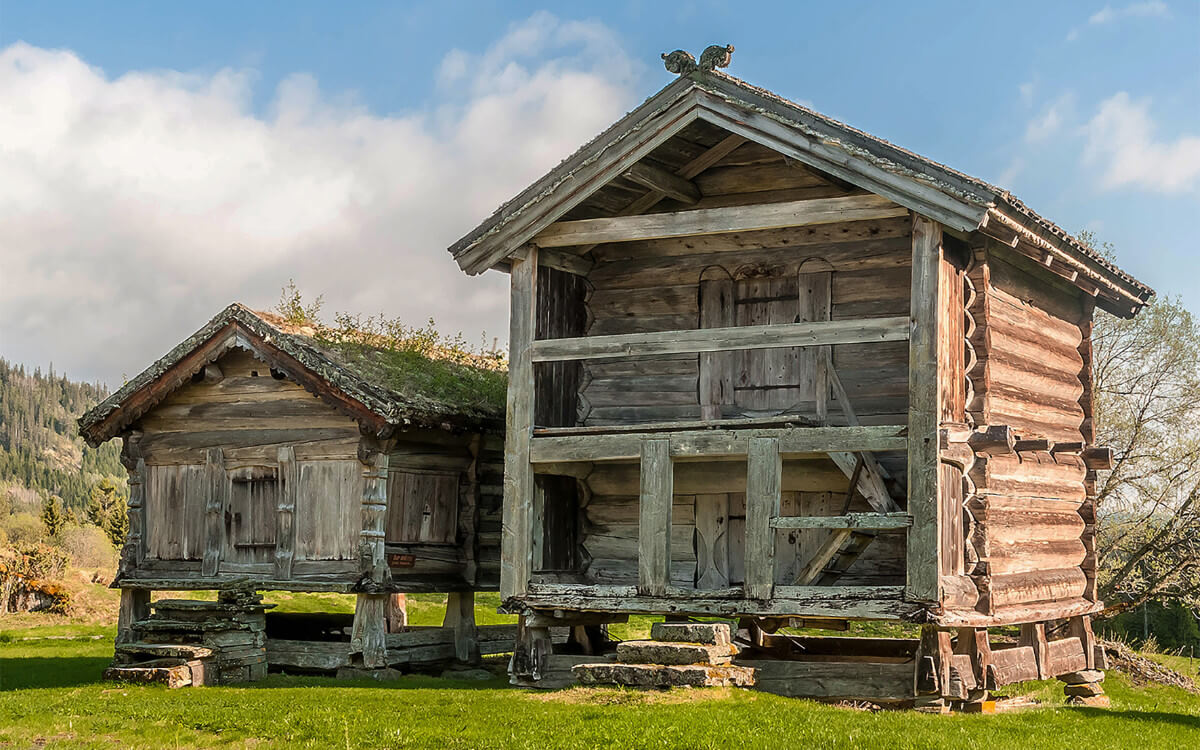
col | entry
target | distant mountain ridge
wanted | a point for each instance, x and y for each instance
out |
(40, 447)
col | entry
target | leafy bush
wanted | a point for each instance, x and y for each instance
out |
(23, 529)
(89, 547)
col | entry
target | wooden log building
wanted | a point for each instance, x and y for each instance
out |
(765, 366)
(267, 455)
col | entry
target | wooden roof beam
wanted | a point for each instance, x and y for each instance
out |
(660, 180)
(693, 168)
(719, 220)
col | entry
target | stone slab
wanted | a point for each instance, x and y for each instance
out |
(1086, 690)
(1095, 701)
(661, 676)
(671, 653)
(710, 633)
(152, 673)
(1082, 676)
(163, 650)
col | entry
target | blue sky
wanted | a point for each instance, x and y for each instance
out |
(214, 150)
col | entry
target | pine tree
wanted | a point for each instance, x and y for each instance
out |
(106, 509)
(53, 515)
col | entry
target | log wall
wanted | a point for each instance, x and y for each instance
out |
(224, 436)
(1027, 538)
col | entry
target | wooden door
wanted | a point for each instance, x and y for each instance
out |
(250, 517)
(422, 507)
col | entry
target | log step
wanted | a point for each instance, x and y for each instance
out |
(161, 650)
(672, 653)
(661, 676)
(708, 633)
(156, 623)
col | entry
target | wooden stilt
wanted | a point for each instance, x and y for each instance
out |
(460, 615)
(135, 605)
(368, 635)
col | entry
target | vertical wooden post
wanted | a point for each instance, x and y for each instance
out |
(460, 615)
(654, 518)
(924, 557)
(468, 511)
(397, 616)
(934, 657)
(1034, 634)
(712, 541)
(372, 561)
(369, 631)
(516, 539)
(215, 499)
(134, 551)
(285, 529)
(531, 653)
(764, 479)
(135, 605)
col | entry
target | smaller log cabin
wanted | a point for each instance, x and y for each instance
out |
(768, 367)
(269, 455)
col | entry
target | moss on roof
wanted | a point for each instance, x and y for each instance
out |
(404, 376)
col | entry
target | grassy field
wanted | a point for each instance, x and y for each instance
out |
(51, 696)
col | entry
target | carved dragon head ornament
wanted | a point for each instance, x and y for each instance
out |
(682, 63)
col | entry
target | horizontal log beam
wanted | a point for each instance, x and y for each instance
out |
(793, 442)
(667, 183)
(734, 338)
(842, 602)
(848, 521)
(719, 220)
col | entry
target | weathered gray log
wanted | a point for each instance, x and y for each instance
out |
(516, 544)
(899, 520)
(771, 336)
(793, 443)
(924, 551)
(654, 524)
(718, 220)
(763, 486)
(285, 528)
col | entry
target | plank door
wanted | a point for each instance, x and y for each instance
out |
(251, 516)
(423, 507)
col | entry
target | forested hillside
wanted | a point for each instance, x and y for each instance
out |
(40, 449)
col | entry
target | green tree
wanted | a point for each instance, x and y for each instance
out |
(53, 516)
(1147, 408)
(106, 509)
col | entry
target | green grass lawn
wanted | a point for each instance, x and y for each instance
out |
(51, 695)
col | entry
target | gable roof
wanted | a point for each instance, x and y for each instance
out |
(382, 389)
(956, 200)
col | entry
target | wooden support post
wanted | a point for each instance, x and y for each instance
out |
(924, 558)
(135, 605)
(285, 528)
(516, 540)
(369, 632)
(1081, 627)
(531, 653)
(654, 518)
(1034, 635)
(373, 455)
(935, 654)
(764, 479)
(216, 496)
(397, 616)
(974, 642)
(460, 615)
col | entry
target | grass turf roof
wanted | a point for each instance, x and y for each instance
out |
(403, 385)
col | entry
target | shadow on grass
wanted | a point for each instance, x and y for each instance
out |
(23, 673)
(1189, 721)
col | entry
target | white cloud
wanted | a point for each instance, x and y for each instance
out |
(1151, 9)
(1109, 14)
(1027, 90)
(1121, 140)
(134, 208)
(1050, 120)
